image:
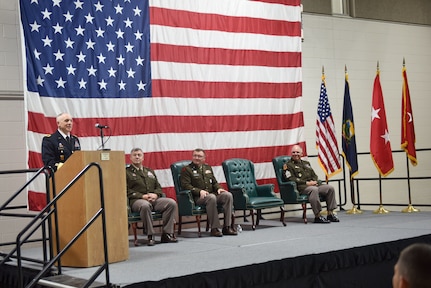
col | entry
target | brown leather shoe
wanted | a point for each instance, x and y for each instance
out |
(216, 232)
(168, 238)
(151, 241)
(229, 231)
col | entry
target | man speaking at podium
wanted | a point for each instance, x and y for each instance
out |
(60, 145)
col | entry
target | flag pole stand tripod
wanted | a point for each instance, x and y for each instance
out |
(354, 210)
(381, 209)
(410, 208)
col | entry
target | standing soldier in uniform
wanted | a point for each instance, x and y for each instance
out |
(145, 195)
(60, 145)
(300, 171)
(198, 177)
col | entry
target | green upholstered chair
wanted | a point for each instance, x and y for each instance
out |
(288, 190)
(134, 218)
(186, 203)
(247, 195)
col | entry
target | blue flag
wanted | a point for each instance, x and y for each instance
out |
(348, 133)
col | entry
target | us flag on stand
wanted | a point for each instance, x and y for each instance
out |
(167, 76)
(326, 140)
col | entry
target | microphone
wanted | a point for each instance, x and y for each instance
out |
(100, 126)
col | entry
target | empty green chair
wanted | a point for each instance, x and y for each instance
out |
(247, 194)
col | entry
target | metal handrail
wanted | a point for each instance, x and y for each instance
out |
(357, 180)
(4, 207)
(39, 221)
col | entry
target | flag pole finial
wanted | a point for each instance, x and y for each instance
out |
(378, 66)
(323, 69)
(404, 62)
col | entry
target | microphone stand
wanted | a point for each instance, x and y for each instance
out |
(101, 139)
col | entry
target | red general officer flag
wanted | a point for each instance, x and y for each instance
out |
(408, 137)
(380, 145)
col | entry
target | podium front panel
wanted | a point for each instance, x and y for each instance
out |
(82, 201)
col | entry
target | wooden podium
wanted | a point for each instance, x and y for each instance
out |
(82, 201)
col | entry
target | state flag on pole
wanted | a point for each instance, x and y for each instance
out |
(326, 140)
(380, 145)
(348, 132)
(408, 138)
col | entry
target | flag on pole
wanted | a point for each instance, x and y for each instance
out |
(167, 76)
(380, 145)
(348, 133)
(326, 140)
(408, 138)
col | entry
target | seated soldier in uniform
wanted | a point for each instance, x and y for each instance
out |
(300, 171)
(198, 177)
(145, 195)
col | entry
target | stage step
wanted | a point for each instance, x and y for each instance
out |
(65, 281)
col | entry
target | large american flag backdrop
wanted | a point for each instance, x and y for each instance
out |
(167, 76)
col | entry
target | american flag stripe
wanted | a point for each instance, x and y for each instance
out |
(160, 160)
(209, 20)
(88, 110)
(203, 55)
(326, 140)
(250, 9)
(197, 89)
(225, 76)
(206, 73)
(155, 124)
(180, 141)
(223, 39)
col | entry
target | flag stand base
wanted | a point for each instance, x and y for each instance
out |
(354, 210)
(381, 210)
(410, 209)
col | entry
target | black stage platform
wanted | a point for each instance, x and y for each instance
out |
(360, 251)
